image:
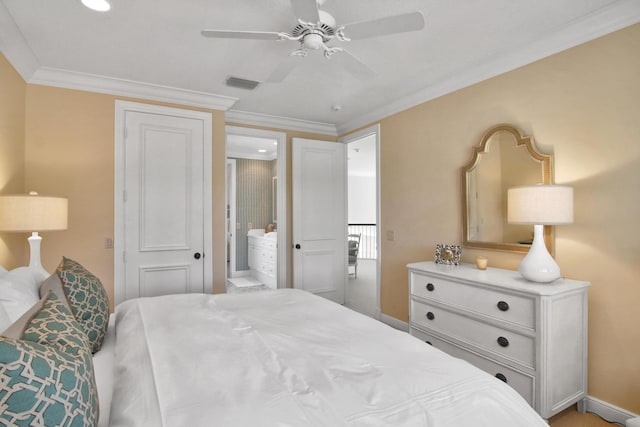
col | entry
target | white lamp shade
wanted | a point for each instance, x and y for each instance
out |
(540, 204)
(28, 213)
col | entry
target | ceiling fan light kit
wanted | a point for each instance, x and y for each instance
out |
(97, 5)
(316, 28)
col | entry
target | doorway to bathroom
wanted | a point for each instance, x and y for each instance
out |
(362, 292)
(255, 215)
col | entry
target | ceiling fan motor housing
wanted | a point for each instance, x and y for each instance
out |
(314, 35)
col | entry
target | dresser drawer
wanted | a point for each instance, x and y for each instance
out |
(508, 344)
(522, 383)
(503, 306)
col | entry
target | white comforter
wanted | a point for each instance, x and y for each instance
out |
(289, 358)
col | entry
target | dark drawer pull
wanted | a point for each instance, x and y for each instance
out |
(430, 287)
(503, 305)
(428, 342)
(503, 342)
(501, 377)
(430, 316)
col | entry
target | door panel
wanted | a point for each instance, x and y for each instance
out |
(164, 214)
(168, 279)
(165, 190)
(319, 217)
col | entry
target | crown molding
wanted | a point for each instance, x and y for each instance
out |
(613, 17)
(277, 122)
(133, 89)
(14, 47)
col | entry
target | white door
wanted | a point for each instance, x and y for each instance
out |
(163, 204)
(319, 218)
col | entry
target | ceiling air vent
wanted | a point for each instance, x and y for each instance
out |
(242, 83)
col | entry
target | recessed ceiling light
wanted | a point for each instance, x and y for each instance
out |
(262, 151)
(99, 5)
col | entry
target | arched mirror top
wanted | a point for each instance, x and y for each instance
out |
(504, 158)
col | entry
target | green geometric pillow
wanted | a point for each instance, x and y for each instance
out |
(46, 379)
(88, 300)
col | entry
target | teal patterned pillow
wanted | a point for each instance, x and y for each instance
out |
(46, 379)
(88, 300)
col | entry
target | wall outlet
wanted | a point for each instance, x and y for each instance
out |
(108, 243)
(391, 236)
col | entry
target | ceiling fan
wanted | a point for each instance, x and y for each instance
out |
(316, 28)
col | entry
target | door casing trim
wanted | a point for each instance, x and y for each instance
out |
(373, 130)
(283, 197)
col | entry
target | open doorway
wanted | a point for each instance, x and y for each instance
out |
(362, 292)
(255, 215)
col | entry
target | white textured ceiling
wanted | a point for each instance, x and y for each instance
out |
(159, 42)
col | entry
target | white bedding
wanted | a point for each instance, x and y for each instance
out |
(289, 358)
(103, 362)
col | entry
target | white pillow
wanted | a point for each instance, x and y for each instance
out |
(18, 292)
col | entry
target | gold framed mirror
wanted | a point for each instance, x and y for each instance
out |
(504, 158)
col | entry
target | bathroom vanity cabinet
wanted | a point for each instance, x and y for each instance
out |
(263, 256)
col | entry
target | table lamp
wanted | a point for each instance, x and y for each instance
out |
(540, 205)
(33, 213)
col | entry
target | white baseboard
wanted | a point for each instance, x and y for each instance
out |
(607, 411)
(394, 323)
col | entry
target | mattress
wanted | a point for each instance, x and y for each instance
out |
(289, 358)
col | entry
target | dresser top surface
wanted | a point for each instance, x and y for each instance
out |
(496, 277)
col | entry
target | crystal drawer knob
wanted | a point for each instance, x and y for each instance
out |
(503, 342)
(503, 306)
(430, 287)
(430, 316)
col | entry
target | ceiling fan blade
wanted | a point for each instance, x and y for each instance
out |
(389, 25)
(306, 10)
(353, 65)
(284, 68)
(253, 35)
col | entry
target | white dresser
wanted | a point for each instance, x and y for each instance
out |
(532, 336)
(263, 257)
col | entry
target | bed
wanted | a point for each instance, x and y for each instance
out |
(284, 358)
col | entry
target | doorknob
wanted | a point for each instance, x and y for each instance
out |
(298, 246)
(196, 255)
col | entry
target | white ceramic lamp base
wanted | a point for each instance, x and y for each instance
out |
(34, 260)
(539, 265)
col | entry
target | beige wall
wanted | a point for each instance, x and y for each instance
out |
(584, 105)
(13, 246)
(69, 148)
